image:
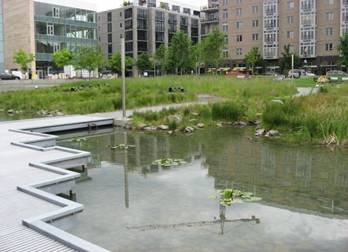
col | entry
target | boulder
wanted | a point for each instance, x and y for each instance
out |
(175, 119)
(200, 125)
(11, 112)
(189, 130)
(150, 128)
(163, 127)
(240, 124)
(219, 125)
(142, 126)
(260, 132)
(272, 133)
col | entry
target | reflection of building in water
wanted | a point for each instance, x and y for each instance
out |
(311, 179)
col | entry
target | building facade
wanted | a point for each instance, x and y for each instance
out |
(46, 26)
(2, 58)
(311, 29)
(210, 17)
(145, 27)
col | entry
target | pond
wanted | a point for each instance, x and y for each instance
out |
(132, 205)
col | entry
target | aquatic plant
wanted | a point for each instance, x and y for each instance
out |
(168, 162)
(122, 147)
(229, 196)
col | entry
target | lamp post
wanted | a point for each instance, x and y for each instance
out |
(123, 67)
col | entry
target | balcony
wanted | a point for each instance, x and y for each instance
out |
(212, 8)
(209, 20)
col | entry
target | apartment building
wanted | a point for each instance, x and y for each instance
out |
(210, 17)
(2, 59)
(145, 26)
(311, 28)
(43, 27)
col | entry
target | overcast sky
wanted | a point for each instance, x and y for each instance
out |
(112, 4)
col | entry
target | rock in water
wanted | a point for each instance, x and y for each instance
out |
(260, 132)
(163, 127)
(200, 125)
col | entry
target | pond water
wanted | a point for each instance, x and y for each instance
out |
(132, 205)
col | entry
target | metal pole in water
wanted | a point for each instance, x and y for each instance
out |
(123, 67)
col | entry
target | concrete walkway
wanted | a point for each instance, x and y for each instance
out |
(33, 170)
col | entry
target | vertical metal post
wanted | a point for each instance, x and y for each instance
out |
(292, 65)
(123, 67)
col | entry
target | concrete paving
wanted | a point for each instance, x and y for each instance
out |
(25, 172)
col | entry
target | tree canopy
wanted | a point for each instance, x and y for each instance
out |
(179, 53)
(115, 63)
(144, 62)
(62, 57)
(23, 59)
(253, 58)
(343, 49)
(89, 58)
(212, 47)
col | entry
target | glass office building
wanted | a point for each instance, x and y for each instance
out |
(58, 27)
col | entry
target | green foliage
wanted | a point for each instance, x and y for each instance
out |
(179, 53)
(160, 57)
(23, 59)
(212, 47)
(62, 57)
(343, 49)
(115, 63)
(169, 162)
(285, 61)
(89, 58)
(253, 58)
(144, 62)
(229, 196)
(277, 114)
(123, 147)
(229, 111)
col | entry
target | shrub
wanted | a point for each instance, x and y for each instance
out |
(229, 111)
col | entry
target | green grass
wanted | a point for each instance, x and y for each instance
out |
(314, 118)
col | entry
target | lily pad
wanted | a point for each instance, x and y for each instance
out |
(229, 196)
(168, 162)
(122, 147)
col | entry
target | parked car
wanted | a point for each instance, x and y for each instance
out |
(336, 73)
(9, 76)
(296, 73)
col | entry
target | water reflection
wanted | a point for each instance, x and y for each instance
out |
(302, 177)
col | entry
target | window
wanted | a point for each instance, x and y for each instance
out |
(109, 27)
(110, 49)
(225, 53)
(291, 4)
(225, 15)
(56, 47)
(239, 51)
(255, 23)
(290, 19)
(255, 36)
(225, 2)
(329, 16)
(225, 28)
(329, 47)
(330, 2)
(109, 16)
(56, 12)
(239, 11)
(239, 24)
(329, 31)
(110, 38)
(239, 1)
(255, 9)
(239, 38)
(290, 35)
(50, 29)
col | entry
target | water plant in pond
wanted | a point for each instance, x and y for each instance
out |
(80, 139)
(123, 147)
(229, 196)
(168, 162)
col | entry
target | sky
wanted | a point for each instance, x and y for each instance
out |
(112, 4)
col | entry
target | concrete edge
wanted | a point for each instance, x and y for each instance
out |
(39, 223)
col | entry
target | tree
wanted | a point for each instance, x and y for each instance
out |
(115, 63)
(197, 56)
(253, 58)
(62, 57)
(179, 53)
(160, 57)
(343, 49)
(89, 58)
(144, 62)
(285, 61)
(212, 47)
(23, 59)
